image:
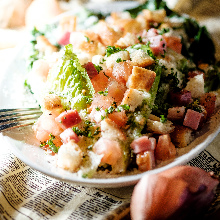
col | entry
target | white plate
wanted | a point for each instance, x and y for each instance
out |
(25, 147)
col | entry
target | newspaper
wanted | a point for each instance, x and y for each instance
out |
(28, 194)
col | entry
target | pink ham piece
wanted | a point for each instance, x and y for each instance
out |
(176, 113)
(181, 98)
(91, 70)
(192, 119)
(165, 149)
(174, 43)
(143, 143)
(68, 119)
(110, 150)
(68, 135)
(64, 39)
(158, 45)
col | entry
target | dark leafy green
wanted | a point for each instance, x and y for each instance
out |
(201, 47)
(151, 5)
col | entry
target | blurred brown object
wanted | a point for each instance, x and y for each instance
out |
(12, 13)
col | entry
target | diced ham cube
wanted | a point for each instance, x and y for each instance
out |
(47, 125)
(110, 150)
(165, 149)
(143, 143)
(174, 43)
(145, 160)
(158, 45)
(91, 70)
(64, 39)
(100, 81)
(116, 91)
(176, 113)
(121, 71)
(192, 119)
(68, 135)
(181, 98)
(120, 118)
(68, 119)
(208, 101)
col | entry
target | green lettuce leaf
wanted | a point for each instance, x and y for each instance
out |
(69, 80)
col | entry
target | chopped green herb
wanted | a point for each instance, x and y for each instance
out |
(105, 93)
(97, 108)
(112, 49)
(98, 68)
(125, 107)
(87, 39)
(163, 119)
(163, 31)
(118, 60)
(88, 130)
(140, 39)
(50, 144)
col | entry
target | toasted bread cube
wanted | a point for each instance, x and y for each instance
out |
(110, 130)
(196, 86)
(208, 101)
(154, 125)
(51, 102)
(126, 41)
(108, 36)
(68, 23)
(134, 98)
(141, 59)
(157, 15)
(141, 79)
(181, 136)
(44, 45)
(70, 156)
(111, 60)
(145, 160)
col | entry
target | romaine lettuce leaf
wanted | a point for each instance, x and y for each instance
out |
(69, 80)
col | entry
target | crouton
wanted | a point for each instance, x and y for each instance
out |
(44, 45)
(108, 35)
(141, 79)
(196, 86)
(111, 60)
(208, 101)
(217, 101)
(68, 23)
(141, 58)
(129, 25)
(181, 136)
(69, 156)
(155, 126)
(134, 98)
(128, 40)
(157, 15)
(110, 130)
(51, 102)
